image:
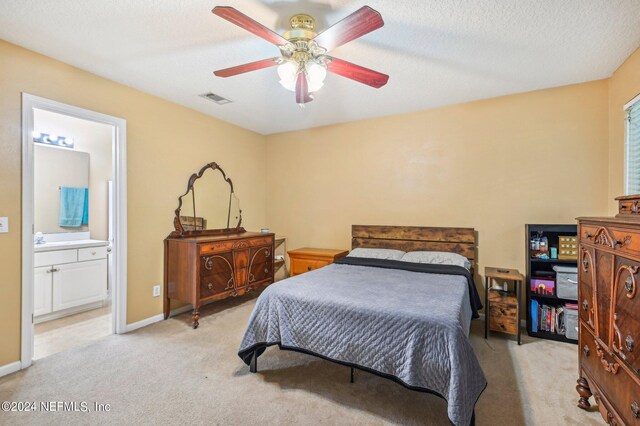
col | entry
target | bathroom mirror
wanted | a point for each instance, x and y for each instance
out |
(209, 206)
(56, 169)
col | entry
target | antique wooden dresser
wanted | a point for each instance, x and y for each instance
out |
(210, 256)
(609, 311)
(202, 269)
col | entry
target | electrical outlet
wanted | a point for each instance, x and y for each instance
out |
(4, 224)
(156, 290)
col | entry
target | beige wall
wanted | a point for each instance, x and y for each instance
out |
(166, 143)
(493, 165)
(624, 85)
(95, 139)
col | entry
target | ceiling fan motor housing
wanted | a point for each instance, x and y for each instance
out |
(301, 28)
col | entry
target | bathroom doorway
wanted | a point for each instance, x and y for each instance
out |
(74, 227)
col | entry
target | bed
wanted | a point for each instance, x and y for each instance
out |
(405, 321)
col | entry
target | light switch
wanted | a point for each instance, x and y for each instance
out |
(4, 224)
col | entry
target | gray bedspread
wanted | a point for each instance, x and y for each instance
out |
(410, 326)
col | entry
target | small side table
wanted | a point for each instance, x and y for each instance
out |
(308, 259)
(502, 308)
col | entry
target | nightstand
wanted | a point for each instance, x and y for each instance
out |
(502, 308)
(307, 259)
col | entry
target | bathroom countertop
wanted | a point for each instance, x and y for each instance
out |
(65, 245)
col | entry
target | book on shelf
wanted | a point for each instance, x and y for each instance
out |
(547, 318)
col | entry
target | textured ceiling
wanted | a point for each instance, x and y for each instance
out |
(437, 52)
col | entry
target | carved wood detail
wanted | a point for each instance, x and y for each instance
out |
(240, 244)
(603, 237)
(585, 393)
(610, 367)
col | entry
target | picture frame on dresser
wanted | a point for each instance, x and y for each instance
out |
(540, 270)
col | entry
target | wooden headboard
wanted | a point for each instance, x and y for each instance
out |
(412, 238)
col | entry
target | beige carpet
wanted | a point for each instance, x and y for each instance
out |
(168, 373)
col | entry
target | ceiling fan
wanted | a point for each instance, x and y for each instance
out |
(304, 62)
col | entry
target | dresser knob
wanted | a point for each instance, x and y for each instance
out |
(308, 268)
(628, 284)
(589, 235)
(629, 343)
(585, 350)
(585, 304)
(93, 253)
(635, 409)
(210, 286)
(266, 270)
(585, 263)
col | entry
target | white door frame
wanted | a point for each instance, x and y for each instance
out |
(119, 301)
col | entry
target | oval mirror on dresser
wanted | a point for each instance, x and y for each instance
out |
(209, 204)
(209, 256)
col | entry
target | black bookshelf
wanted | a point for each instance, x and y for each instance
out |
(544, 267)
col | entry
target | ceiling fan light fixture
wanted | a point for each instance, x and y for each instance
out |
(288, 73)
(303, 62)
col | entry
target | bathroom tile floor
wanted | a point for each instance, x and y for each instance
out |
(71, 332)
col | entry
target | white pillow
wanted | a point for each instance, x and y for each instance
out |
(437, 257)
(374, 253)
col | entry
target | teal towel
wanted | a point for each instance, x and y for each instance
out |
(74, 206)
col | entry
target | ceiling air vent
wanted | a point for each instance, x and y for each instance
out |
(216, 98)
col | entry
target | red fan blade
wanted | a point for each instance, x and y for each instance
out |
(241, 69)
(302, 90)
(359, 23)
(356, 72)
(243, 21)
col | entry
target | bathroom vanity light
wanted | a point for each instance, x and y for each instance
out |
(50, 139)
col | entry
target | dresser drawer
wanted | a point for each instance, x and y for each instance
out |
(58, 257)
(259, 255)
(586, 305)
(300, 266)
(259, 272)
(92, 253)
(618, 238)
(217, 263)
(586, 268)
(222, 246)
(213, 284)
(613, 382)
(503, 317)
(589, 358)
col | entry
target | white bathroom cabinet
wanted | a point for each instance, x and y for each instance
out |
(69, 281)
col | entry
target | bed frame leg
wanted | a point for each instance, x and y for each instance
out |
(253, 366)
(352, 377)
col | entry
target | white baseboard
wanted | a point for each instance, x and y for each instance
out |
(156, 318)
(10, 368)
(145, 322)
